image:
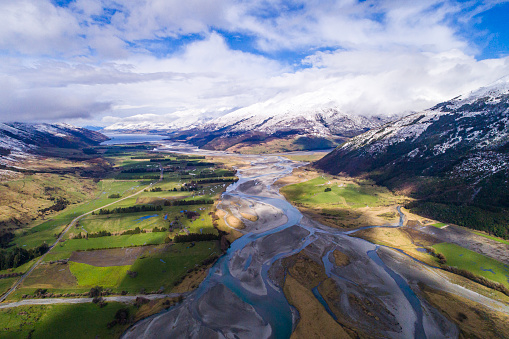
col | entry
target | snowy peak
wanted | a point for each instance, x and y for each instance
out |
(446, 141)
(322, 122)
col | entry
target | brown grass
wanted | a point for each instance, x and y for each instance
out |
(340, 258)
(298, 175)
(192, 280)
(153, 307)
(473, 319)
(21, 200)
(248, 216)
(232, 234)
(235, 222)
(314, 321)
(51, 276)
(340, 217)
(109, 257)
(307, 272)
(400, 238)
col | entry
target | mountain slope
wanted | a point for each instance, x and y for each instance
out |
(288, 130)
(17, 139)
(454, 153)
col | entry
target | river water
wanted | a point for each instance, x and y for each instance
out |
(120, 139)
(251, 303)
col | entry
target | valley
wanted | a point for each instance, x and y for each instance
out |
(322, 272)
(277, 247)
(254, 169)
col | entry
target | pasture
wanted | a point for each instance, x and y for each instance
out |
(474, 262)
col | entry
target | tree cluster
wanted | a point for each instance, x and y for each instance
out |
(188, 202)
(130, 209)
(17, 256)
(492, 222)
(195, 237)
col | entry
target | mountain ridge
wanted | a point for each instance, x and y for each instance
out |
(455, 153)
(18, 139)
(295, 129)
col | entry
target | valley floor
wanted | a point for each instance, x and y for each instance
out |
(353, 264)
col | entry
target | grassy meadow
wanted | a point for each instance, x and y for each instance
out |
(342, 202)
(62, 321)
(474, 262)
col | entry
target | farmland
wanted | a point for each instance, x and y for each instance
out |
(175, 195)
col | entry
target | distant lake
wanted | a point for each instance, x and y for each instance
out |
(118, 138)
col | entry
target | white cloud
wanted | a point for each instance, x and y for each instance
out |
(38, 27)
(89, 60)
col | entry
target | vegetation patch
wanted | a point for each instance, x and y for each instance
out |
(110, 242)
(473, 319)
(61, 321)
(474, 262)
(405, 239)
(343, 202)
(340, 258)
(6, 283)
(110, 257)
(493, 221)
(164, 267)
(51, 276)
(314, 322)
(492, 237)
(89, 276)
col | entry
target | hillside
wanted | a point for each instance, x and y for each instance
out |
(38, 172)
(269, 130)
(17, 139)
(454, 154)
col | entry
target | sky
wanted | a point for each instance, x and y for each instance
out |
(100, 62)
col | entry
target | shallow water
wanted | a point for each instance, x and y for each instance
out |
(273, 307)
(119, 139)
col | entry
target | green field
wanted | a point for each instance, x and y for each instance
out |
(45, 232)
(61, 321)
(121, 222)
(6, 283)
(474, 262)
(312, 192)
(439, 224)
(110, 242)
(154, 270)
(90, 276)
(161, 269)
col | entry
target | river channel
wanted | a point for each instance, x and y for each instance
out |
(239, 299)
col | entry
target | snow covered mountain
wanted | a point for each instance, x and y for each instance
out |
(462, 144)
(17, 139)
(296, 128)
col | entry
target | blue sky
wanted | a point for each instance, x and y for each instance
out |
(168, 61)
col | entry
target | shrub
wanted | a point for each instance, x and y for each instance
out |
(95, 291)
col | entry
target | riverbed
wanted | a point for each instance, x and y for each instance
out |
(239, 299)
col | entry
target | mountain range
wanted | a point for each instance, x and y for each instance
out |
(276, 131)
(452, 156)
